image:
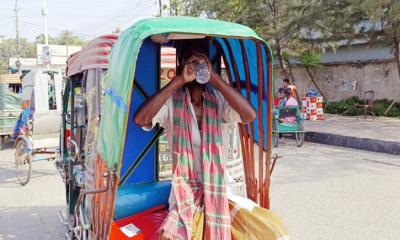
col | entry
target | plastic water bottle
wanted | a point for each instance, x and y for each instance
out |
(202, 73)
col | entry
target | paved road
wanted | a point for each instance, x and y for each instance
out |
(323, 192)
(320, 192)
(30, 212)
(382, 128)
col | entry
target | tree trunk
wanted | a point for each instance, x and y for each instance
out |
(315, 83)
(284, 70)
(397, 58)
(290, 71)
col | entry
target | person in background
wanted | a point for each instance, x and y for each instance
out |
(280, 98)
(277, 99)
(290, 87)
(290, 102)
(285, 83)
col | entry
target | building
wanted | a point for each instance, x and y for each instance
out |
(58, 58)
(350, 71)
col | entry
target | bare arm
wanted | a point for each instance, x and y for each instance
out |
(145, 114)
(233, 97)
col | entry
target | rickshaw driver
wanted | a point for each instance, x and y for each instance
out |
(148, 112)
(232, 107)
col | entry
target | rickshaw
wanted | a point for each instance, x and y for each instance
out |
(110, 165)
(37, 129)
(296, 128)
(10, 105)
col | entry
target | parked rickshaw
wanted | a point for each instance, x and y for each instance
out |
(295, 128)
(37, 129)
(109, 164)
(10, 105)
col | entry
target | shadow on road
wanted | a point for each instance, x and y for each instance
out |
(8, 177)
(314, 162)
(30, 223)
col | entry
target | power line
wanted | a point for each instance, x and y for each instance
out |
(119, 16)
(129, 17)
(51, 28)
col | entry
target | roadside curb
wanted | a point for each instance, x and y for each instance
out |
(367, 144)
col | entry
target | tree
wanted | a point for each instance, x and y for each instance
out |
(281, 22)
(3, 65)
(8, 48)
(40, 39)
(68, 38)
(377, 22)
(383, 25)
(117, 31)
(311, 61)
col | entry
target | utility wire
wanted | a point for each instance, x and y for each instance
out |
(130, 17)
(118, 17)
(51, 28)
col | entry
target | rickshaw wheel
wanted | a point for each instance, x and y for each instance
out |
(3, 141)
(275, 133)
(23, 162)
(275, 139)
(300, 136)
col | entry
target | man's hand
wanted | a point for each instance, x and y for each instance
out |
(189, 72)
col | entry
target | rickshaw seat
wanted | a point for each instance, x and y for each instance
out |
(135, 198)
(149, 222)
(287, 112)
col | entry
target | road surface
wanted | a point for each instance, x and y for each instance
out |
(332, 193)
(30, 212)
(320, 192)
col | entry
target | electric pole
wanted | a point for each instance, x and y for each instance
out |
(46, 49)
(160, 6)
(44, 14)
(18, 63)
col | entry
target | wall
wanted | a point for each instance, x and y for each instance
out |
(346, 80)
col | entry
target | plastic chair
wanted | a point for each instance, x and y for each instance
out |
(368, 105)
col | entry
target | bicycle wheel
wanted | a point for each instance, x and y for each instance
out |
(300, 135)
(275, 133)
(23, 162)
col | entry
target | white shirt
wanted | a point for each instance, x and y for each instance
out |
(165, 118)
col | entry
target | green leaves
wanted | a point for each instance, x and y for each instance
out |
(311, 59)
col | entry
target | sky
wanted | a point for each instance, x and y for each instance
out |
(86, 18)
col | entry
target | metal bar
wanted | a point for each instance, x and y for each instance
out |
(260, 74)
(37, 159)
(140, 89)
(249, 136)
(84, 192)
(269, 132)
(141, 156)
(158, 86)
(65, 98)
(72, 108)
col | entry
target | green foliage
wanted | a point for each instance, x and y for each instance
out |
(311, 59)
(384, 20)
(68, 38)
(379, 108)
(342, 106)
(40, 39)
(8, 48)
(3, 65)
